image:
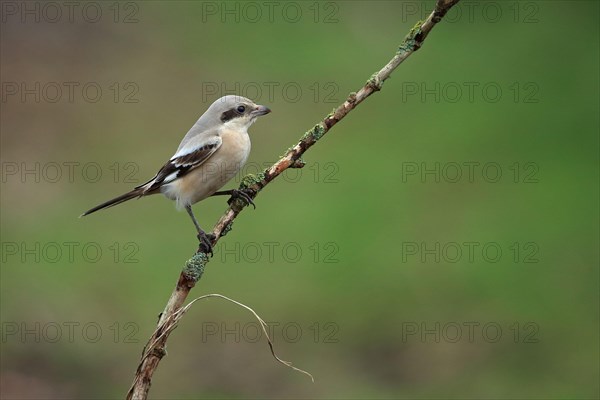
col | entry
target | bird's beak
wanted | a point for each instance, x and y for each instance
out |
(261, 110)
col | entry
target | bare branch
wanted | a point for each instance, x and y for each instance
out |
(194, 268)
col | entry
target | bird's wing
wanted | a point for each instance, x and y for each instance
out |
(195, 153)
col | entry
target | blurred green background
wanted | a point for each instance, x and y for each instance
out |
(361, 260)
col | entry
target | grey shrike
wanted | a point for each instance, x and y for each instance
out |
(210, 154)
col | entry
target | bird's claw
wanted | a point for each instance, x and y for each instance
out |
(242, 194)
(205, 240)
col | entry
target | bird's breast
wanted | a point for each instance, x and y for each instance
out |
(233, 153)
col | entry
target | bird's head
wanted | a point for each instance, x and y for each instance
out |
(236, 111)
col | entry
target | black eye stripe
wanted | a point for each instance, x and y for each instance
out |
(231, 114)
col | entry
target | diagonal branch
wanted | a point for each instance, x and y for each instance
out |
(194, 268)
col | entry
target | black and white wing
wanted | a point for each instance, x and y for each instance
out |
(192, 155)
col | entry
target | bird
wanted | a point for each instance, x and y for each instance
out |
(210, 154)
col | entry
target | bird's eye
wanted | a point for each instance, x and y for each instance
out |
(241, 109)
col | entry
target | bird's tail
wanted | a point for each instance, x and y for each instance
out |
(137, 192)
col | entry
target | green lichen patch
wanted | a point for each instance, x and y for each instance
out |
(194, 267)
(316, 132)
(410, 41)
(251, 180)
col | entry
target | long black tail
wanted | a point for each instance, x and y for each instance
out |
(137, 192)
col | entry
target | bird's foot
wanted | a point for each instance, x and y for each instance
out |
(206, 240)
(244, 195)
